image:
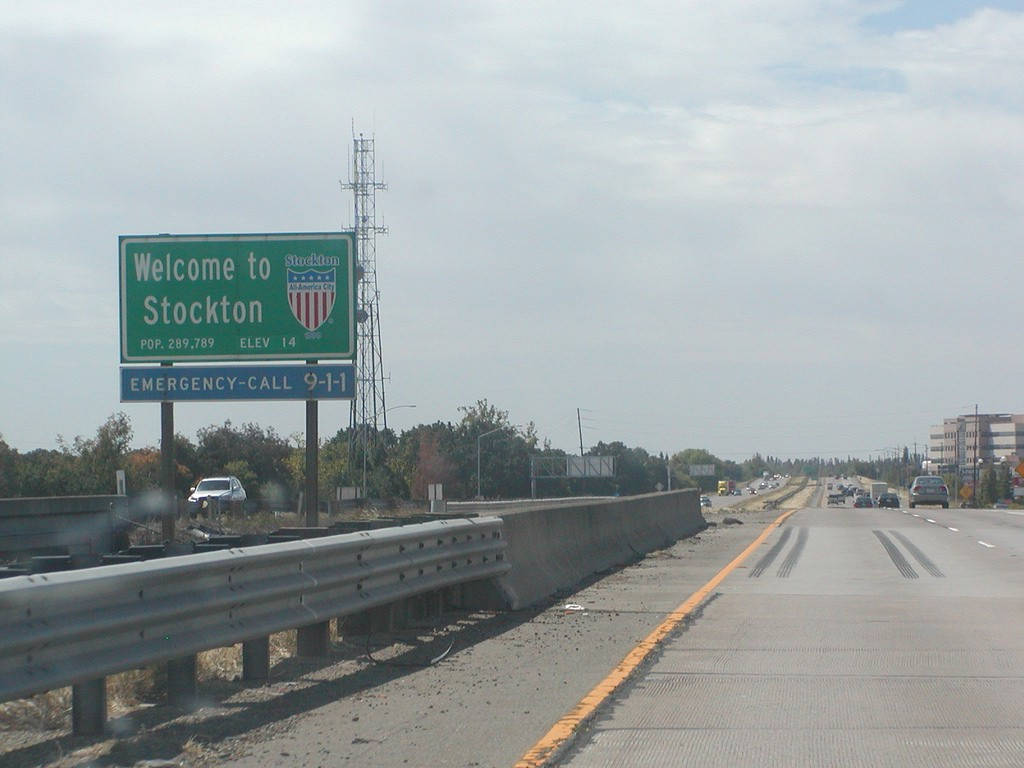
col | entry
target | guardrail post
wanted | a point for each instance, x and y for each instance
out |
(181, 682)
(256, 660)
(354, 624)
(382, 618)
(89, 707)
(452, 597)
(435, 604)
(313, 640)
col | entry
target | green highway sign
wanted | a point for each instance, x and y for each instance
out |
(237, 297)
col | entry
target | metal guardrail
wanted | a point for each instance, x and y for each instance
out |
(64, 628)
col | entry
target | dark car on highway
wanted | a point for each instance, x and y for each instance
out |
(863, 501)
(889, 500)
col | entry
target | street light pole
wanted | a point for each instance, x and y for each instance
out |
(478, 439)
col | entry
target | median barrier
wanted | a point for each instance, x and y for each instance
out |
(70, 525)
(556, 548)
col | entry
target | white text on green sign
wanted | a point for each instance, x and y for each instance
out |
(237, 297)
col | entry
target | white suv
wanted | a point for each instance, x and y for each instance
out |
(219, 492)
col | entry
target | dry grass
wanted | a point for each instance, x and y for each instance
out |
(43, 712)
(757, 502)
(801, 499)
(265, 521)
(128, 691)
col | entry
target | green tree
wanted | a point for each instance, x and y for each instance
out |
(724, 470)
(1004, 487)
(987, 490)
(45, 472)
(8, 469)
(98, 459)
(426, 454)
(504, 451)
(636, 471)
(266, 454)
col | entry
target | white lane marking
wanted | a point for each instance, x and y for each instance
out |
(1009, 512)
(929, 520)
(954, 530)
(986, 544)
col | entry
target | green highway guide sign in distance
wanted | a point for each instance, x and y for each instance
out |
(237, 297)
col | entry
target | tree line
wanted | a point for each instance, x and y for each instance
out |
(388, 464)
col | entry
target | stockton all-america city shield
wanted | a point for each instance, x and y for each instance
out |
(311, 295)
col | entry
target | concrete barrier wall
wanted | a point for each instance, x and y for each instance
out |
(556, 548)
(70, 524)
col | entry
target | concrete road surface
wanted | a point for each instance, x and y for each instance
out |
(846, 637)
(853, 637)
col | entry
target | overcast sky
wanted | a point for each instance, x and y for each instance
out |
(790, 227)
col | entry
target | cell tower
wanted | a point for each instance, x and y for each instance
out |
(368, 407)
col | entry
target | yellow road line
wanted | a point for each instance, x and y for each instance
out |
(562, 731)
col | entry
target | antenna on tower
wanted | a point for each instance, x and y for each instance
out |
(368, 410)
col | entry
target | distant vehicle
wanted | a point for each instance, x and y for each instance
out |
(863, 501)
(726, 487)
(837, 498)
(217, 493)
(752, 491)
(889, 500)
(929, 489)
(705, 501)
(737, 492)
(877, 489)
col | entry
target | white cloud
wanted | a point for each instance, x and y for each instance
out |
(663, 190)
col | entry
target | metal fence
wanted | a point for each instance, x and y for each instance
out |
(72, 627)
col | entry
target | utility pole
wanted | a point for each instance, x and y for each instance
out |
(974, 489)
(579, 424)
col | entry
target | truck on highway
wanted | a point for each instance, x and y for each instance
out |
(726, 487)
(877, 489)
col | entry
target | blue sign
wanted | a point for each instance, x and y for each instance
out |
(238, 382)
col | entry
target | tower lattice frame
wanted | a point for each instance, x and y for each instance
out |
(368, 412)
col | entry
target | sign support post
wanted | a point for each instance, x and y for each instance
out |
(312, 460)
(170, 505)
(242, 297)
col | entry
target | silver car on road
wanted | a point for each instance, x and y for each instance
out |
(929, 489)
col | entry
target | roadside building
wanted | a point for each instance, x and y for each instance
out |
(961, 443)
